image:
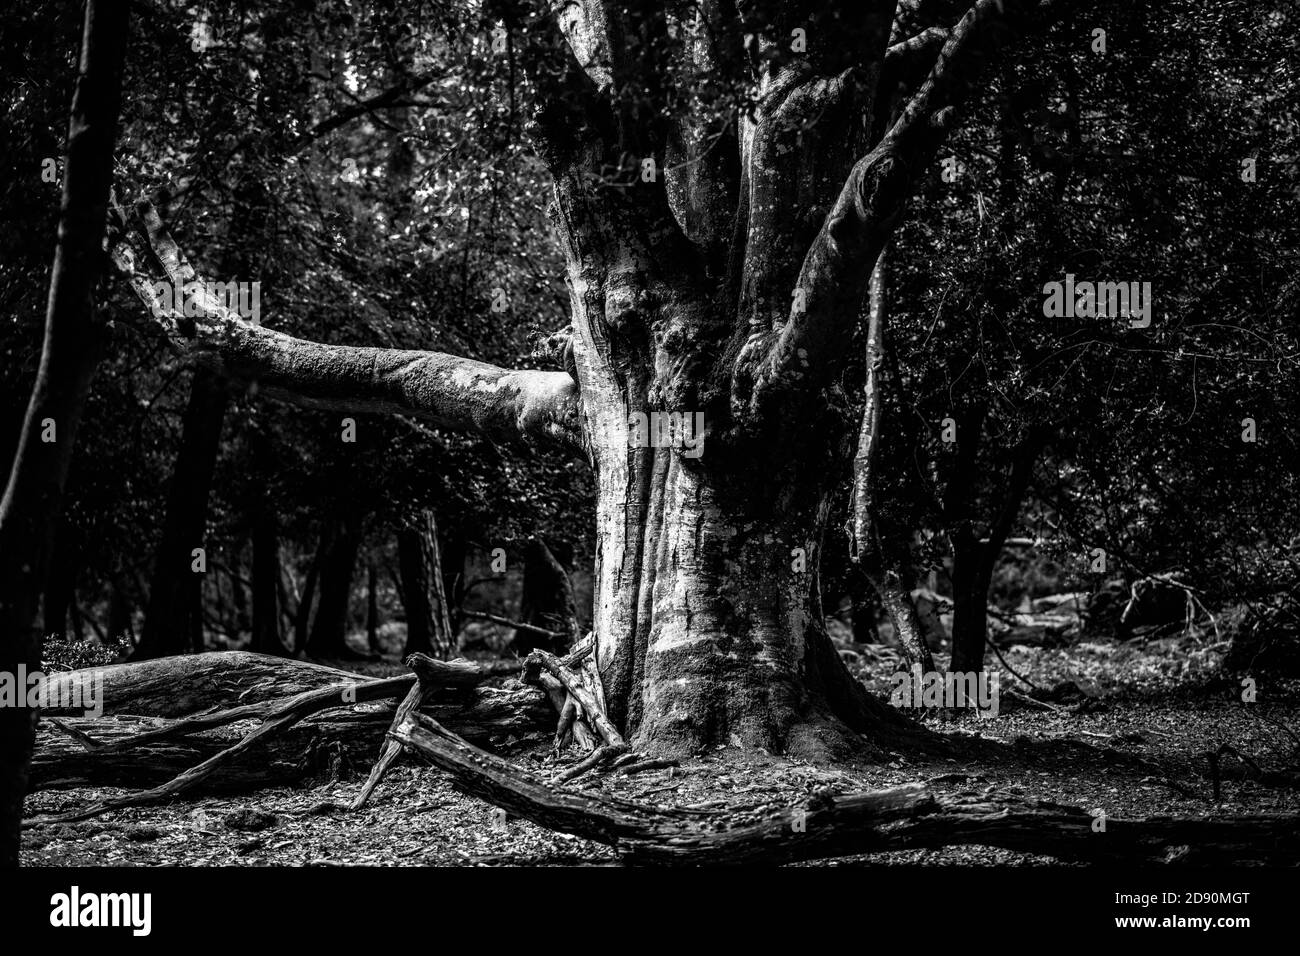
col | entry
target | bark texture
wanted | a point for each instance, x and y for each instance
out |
(717, 261)
(428, 623)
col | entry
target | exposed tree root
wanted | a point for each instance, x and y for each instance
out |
(429, 674)
(578, 682)
(902, 818)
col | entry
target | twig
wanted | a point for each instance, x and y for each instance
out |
(577, 686)
(655, 763)
(391, 748)
(601, 754)
(1024, 680)
(506, 622)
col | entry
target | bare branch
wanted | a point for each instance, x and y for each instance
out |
(869, 433)
(809, 349)
(906, 52)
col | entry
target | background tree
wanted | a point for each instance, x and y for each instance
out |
(29, 511)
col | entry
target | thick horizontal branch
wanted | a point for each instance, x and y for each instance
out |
(447, 390)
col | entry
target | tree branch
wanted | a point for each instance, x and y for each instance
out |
(906, 53)
(810, 348)
(447, 390)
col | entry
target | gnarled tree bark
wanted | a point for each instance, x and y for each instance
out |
(720, 289)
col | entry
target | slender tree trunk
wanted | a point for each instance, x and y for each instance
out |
(864, 504)
(974, 561)
(959, 517)
(415, 594)
(454, 551)
(547, 601)
(266, 586)
(864, 608)
(73, 338)
(302, 613)
(60, 597)
(968, 606)
(329, 630)
(77, 618)
(119, 611)
(175, 591)
(243, 622)
(428, 624)
(372, 609)
(882, 560)
(198, 599)
(443, 638)
(896, 598)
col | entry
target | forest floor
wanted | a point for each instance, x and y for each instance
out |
(1129, 733)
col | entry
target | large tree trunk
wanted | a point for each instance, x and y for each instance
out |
(715, 272)
(175, 591)
(708, 621)
(32, 498)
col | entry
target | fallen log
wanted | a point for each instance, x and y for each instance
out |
(483, 715)
(902, 818)
(146, 749)
(184, 685)
(296, 707)
(432, 674)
